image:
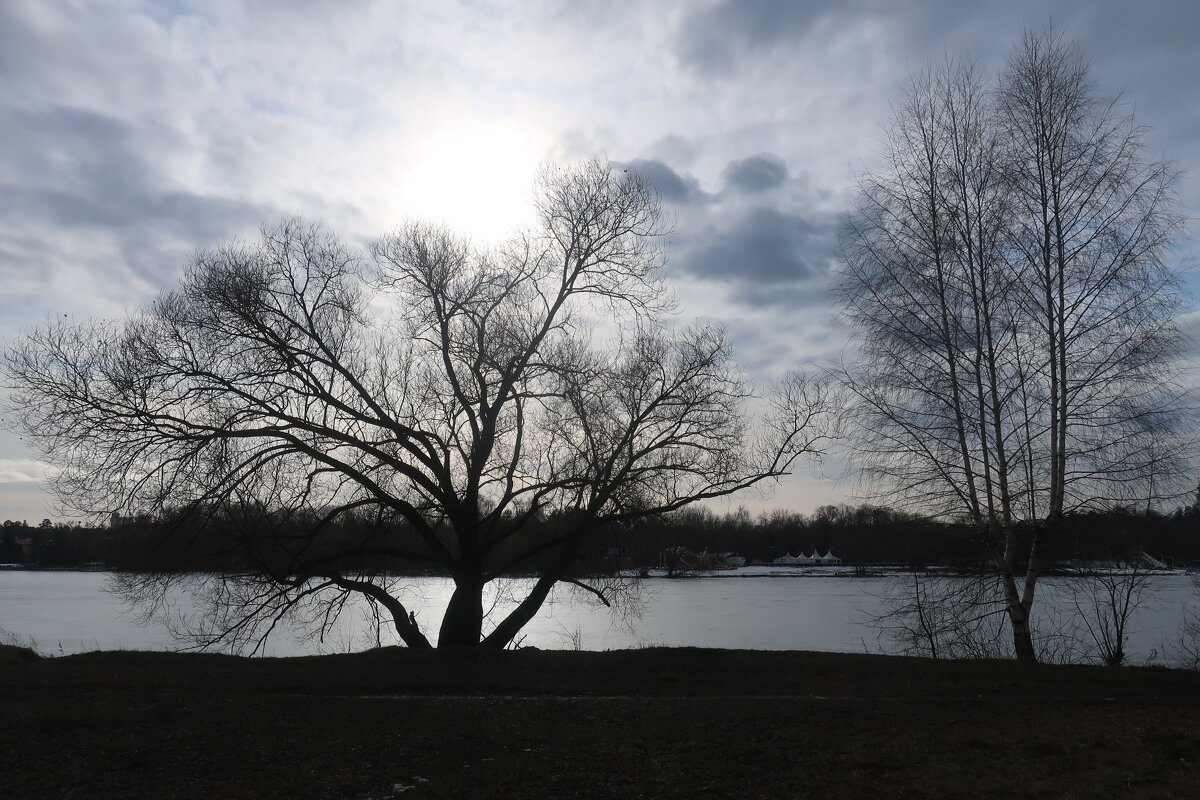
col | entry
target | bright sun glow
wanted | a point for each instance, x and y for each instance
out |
(477, 179)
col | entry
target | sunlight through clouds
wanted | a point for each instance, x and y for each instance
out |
(137, 132)
(476, 177)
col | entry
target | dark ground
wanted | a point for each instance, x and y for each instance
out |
(639, 723)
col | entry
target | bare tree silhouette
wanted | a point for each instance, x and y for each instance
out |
(1006, 281)
(462, 394)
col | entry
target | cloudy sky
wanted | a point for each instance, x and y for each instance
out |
(132, 133)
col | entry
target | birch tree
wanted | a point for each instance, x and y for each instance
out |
(1005, 277)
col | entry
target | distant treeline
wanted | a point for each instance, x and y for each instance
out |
(863, 534)
(51, 544)
(868, 534)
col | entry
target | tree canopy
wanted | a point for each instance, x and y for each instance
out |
(492, 409)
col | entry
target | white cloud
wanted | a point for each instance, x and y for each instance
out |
(21, 470)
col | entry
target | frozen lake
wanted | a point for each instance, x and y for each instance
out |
(69, 612)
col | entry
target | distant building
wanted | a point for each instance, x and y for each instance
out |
(815, 560)
(681, 558)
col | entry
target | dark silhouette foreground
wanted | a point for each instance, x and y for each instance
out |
(643, 723)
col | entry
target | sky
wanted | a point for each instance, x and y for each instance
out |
(134, 133)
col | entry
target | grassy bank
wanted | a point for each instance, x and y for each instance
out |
(640, 723)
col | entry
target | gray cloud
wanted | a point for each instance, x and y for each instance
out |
(755, 174)
(77, 170)
(784, 299)
(674, 148)
(80, 167)
(762, 253)
(84, 168)
(672, 187)
(712, 39)
(752, 252)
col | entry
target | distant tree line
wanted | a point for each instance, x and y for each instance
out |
(858, 534)
(54, 544)
(871, 534)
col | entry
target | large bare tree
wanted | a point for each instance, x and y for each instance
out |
(1006, 279)
(486, 411)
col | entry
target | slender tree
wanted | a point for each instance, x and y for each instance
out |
(1005, 277)
(453, 396)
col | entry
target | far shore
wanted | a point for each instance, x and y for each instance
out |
(874, 570)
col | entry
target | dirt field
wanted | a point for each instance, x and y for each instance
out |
(640, 723)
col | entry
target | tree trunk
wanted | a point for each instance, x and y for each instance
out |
(405, 621)
(1022, 635)
(462, 625)
(520, 616)
(1018, 617)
